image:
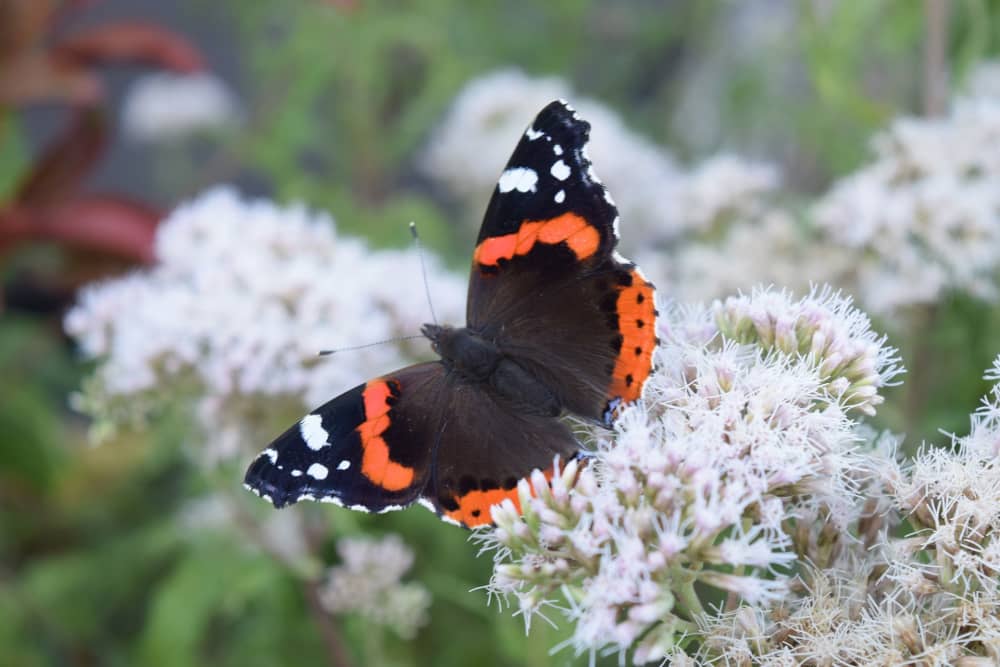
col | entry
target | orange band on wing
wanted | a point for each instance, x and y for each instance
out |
(474, 507)
(637, 324)
(375, 462)
(581, 237)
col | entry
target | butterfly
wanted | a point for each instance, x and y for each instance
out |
(558, 323)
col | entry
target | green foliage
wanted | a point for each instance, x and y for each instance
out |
(13, 158)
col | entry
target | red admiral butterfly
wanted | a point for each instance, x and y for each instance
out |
(557, 323)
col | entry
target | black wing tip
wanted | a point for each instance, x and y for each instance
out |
(265, 481)
(559, 114)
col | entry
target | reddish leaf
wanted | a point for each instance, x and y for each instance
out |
(104, 224)
(22, 23)
(57, 174)
(33, 77)
(130, 41)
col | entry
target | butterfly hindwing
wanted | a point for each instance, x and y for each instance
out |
(546, 283)
(368, 448)
(484, 447)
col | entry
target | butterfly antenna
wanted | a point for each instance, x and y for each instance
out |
(423, 269)
(324, 353)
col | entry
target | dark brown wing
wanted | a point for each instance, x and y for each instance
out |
(418, 433)
(484, 447)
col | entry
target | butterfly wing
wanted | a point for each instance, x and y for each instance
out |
(484, 447)
(369, 448)
(418, 433)
(546, 283)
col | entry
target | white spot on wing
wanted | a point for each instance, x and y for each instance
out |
(557, 149)
(272, 454)
(521, 179)
(560, 170)
(532, 133)
(391, 508)
(560, 196)
(315, 436)
(318, 471)
(296, 473)
(344, 465)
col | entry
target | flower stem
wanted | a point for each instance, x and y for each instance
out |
(688, 604)
(335, 649)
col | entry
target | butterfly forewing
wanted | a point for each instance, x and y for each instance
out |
(546, 283)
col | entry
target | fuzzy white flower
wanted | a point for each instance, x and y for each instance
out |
(744, 426)
(924, 217)
(770, 247)
(244, 295)
(954, 495)
(474, 140)
(983, 81)
(931, 596)
(376, 593)
(723, 187)
(165, 106)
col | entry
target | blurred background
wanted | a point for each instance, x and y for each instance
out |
(145, 361)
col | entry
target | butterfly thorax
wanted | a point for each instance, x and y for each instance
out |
(476, 359)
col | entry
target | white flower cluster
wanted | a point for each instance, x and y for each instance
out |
(931, 596)
(924, 218)
(769, 247)
(722, 188)
(919, 222)
(165, 106)
(244, 295)
(744, 426)
(376, 593)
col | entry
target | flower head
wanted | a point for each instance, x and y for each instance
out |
(376, 593)
(924, 216)
(166, 106)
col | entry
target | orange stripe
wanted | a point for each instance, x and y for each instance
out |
(474, 507)
(585, 242)
(375, 462)
(376, 397)
(635, 306)
(582, 238)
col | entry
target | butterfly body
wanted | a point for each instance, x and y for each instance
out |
(557, 324)
(475, 359)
